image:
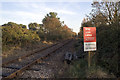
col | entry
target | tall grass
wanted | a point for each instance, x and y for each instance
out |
(78, 69)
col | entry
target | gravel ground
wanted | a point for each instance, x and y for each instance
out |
(27, 60)
(22, 51)
(51, 67)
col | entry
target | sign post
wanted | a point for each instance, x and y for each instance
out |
(89, 61)
(89, 41)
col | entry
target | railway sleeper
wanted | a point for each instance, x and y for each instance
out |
(33, 69)
(14, 67)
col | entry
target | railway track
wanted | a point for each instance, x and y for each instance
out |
(32, 53)
(15, 67)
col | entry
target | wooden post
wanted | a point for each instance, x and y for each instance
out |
(89, 60)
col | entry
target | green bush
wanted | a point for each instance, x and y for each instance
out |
(107, 43)
(16, 35)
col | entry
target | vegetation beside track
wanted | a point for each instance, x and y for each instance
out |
(13, 51)
(18, 35)
(79, 68)
(106, 20)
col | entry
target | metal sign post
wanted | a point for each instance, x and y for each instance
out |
(89, 41)
(89, 59)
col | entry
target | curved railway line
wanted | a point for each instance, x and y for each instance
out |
(13, 68)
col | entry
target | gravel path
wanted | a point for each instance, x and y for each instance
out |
(51, 67)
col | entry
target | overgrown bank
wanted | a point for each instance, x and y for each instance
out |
(79, 68)
(105, 16)
(106, 54)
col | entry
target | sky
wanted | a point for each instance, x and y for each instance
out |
(72, 13)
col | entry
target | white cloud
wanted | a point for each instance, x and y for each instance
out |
(35, 5)
(49, 9)
(50, 0)
(66, 12)
(60, 11)
(28, 14)
(22, 14)
(21, 17)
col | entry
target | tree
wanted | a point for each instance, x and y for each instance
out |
(23, 26)
(103, 13)
(12, 24)
(54, 28)
(51, 24)
(106, 11)
(105, 16)
(33, 26)
(67, 32)
(52, 14)
(14, 34)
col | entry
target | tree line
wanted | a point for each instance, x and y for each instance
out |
(51, 29)
(105, 16)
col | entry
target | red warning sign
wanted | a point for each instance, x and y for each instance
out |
(89, 38)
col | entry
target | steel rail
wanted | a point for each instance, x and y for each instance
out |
(16, 73)
(32, 53)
